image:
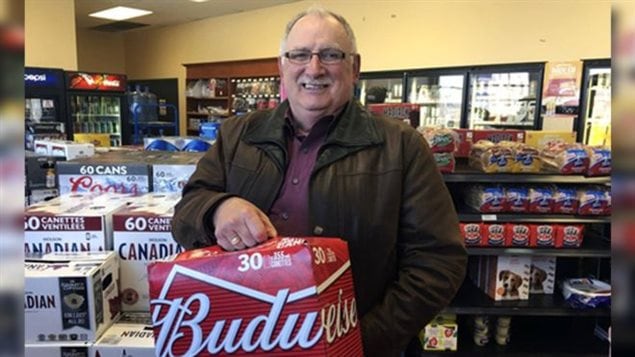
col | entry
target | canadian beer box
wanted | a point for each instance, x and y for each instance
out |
(291, 296)
(113, 171)
(70, 296)
(142, 233)
(126, 338)
(57, 349)
(72, 222)
(68, 149)
(173, 170)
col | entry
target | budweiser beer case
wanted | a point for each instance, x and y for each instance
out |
(287, 296)
(72, 222)
(128, 337)
(141, 234)
(70, 297)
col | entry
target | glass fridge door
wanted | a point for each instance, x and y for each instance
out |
(97, 117)
(380, 90)
(597, 113)
(440, 98)
(42, 119)
(503, 99)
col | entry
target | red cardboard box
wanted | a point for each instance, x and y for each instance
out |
(494, 234)
(472, 233)
(542, 235)
(469, 136)
(517, 234)
(291, 296)
(569, 235)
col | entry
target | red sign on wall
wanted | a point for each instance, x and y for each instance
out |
(96, 81)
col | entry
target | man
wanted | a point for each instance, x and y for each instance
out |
(320, 165)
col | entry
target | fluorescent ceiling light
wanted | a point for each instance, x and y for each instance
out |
(120, 13)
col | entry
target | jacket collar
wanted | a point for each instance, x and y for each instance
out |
(355, 127)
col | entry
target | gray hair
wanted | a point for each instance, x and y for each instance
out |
(323, 13)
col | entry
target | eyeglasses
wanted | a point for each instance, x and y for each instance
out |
(326, 56)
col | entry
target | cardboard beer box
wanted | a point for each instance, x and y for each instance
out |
(114, 171)
(177, 143)
(290, 296)
(57, 349)
(71, 223)
(126, 337)
(141, 234)
(70, 296)
(174, 170)
(63, 148)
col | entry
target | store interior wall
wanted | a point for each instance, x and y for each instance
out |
(390, 35)
(99, 51)
(49, 30)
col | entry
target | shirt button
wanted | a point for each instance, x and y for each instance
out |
(285, 215)
(295, 181)
(318, 230)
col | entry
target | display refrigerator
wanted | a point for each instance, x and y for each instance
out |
(594, 123)
(44, 105)
(381, 87)
(97, 107)
(440, 95)
(504, 97)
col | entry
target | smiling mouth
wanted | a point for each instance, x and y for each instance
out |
(314, 86)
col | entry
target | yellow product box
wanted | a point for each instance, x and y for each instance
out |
(441, 334)
(539, 138)
(99, 140)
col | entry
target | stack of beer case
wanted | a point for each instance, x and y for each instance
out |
(135, 172)
(105, 241)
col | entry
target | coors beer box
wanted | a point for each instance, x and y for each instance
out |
(287, 296)
(113, 171)
(126, 338)
(142, 233)
(70, 296)
(71, 223)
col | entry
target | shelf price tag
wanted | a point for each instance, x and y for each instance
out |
(488, 217)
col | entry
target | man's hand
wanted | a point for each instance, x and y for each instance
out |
(240, 224)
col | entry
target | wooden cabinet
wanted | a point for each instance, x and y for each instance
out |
(217, 90)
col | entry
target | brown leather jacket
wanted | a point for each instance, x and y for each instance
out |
(375, 184)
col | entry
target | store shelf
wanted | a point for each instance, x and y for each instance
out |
(208, 98)
(156, 124)
(465, 173)
(79, 115)
(591, 248)
(198, 114)
(468, 214)
(239, 95)
(557, 344)
(503, 124)
(470, 300)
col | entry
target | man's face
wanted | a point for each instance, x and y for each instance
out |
(315, 89)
